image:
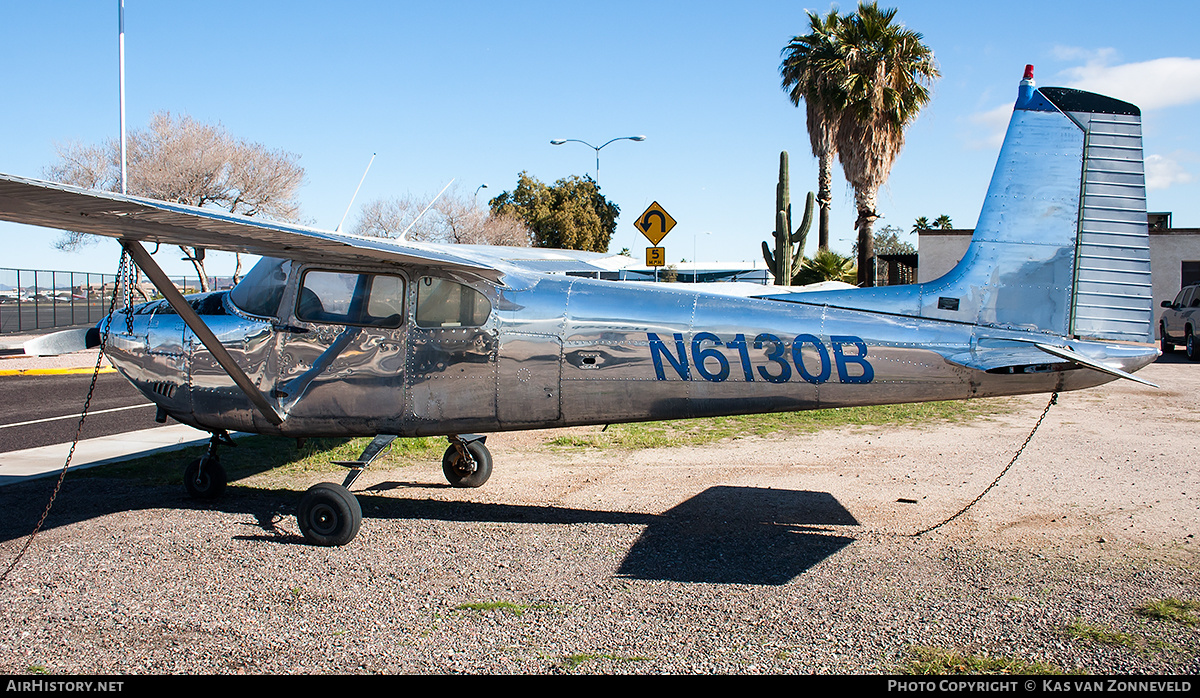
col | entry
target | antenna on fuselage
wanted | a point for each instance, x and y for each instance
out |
(338, 229)
(422, 213)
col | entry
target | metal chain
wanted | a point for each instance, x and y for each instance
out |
(1011, 463)
(112, 303)
(128, 275)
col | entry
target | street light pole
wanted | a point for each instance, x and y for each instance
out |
(560, 141)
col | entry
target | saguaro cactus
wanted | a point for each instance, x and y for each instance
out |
(784, 262)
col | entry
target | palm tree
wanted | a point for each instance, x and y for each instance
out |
(826, 265)
(943, 222)
(813, 70)
(888, 71)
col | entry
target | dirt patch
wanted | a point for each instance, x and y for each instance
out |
(755, 555)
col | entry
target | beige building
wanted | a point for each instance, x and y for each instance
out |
(1174, 256)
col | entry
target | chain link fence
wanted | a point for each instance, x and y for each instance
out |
(37, 299)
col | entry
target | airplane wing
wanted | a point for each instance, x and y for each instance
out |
(63, 207)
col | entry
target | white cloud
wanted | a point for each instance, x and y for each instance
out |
(1163, 171)
(1090, 55)
(991, 127)
(1162, 82)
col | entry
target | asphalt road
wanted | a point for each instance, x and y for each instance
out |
(40, 410)
(29, 316)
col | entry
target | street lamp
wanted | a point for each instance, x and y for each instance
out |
(481, 186)
(560, 141)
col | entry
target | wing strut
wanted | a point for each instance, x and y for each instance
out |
(205, 335)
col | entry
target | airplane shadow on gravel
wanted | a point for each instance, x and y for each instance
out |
(739, 535)
(723, 535)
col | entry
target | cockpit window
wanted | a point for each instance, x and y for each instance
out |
(445, 303)
(260, 291)
(351, 299)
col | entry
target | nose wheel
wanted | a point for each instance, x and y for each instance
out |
(204, 478)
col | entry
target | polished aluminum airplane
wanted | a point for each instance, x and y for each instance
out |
(338, 335)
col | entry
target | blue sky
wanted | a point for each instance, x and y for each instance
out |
(474, 91)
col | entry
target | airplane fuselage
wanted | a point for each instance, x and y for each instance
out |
(557, 351)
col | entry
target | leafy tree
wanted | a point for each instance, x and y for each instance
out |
(887, 241)
(888, 71)
(827, 265)
(570, 214)
(453, 217)
(813, 71)
(185, 161)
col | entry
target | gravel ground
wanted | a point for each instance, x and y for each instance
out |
(764, 555)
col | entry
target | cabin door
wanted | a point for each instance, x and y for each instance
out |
(342, 353)
(452, 366)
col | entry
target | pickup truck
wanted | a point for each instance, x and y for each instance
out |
(1180, 322)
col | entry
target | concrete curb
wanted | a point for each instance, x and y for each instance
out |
(47, 461)
(52, 371)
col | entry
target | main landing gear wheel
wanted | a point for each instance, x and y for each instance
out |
(204, 478)
(471, 471)
(329, 515)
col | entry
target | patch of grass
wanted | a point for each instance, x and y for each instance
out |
(1173, 610)
(256, 455)
(515, 609)
(1080, 630)
(36, 669)
(926, 661)
(574, 661)
(707, 430)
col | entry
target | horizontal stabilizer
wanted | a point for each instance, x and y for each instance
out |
(1077, 358)
(1020, 359)
(992, 359)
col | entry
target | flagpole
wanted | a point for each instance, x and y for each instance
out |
(121, 52)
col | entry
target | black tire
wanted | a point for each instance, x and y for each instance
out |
(329, 515)
(462, 474)
(207, 482)
(1165, 342)
(1190, 347)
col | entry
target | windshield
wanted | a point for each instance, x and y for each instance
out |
(260, 291)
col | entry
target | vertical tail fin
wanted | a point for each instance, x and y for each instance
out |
(1061, 246)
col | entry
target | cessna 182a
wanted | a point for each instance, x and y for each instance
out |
(337, 335)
